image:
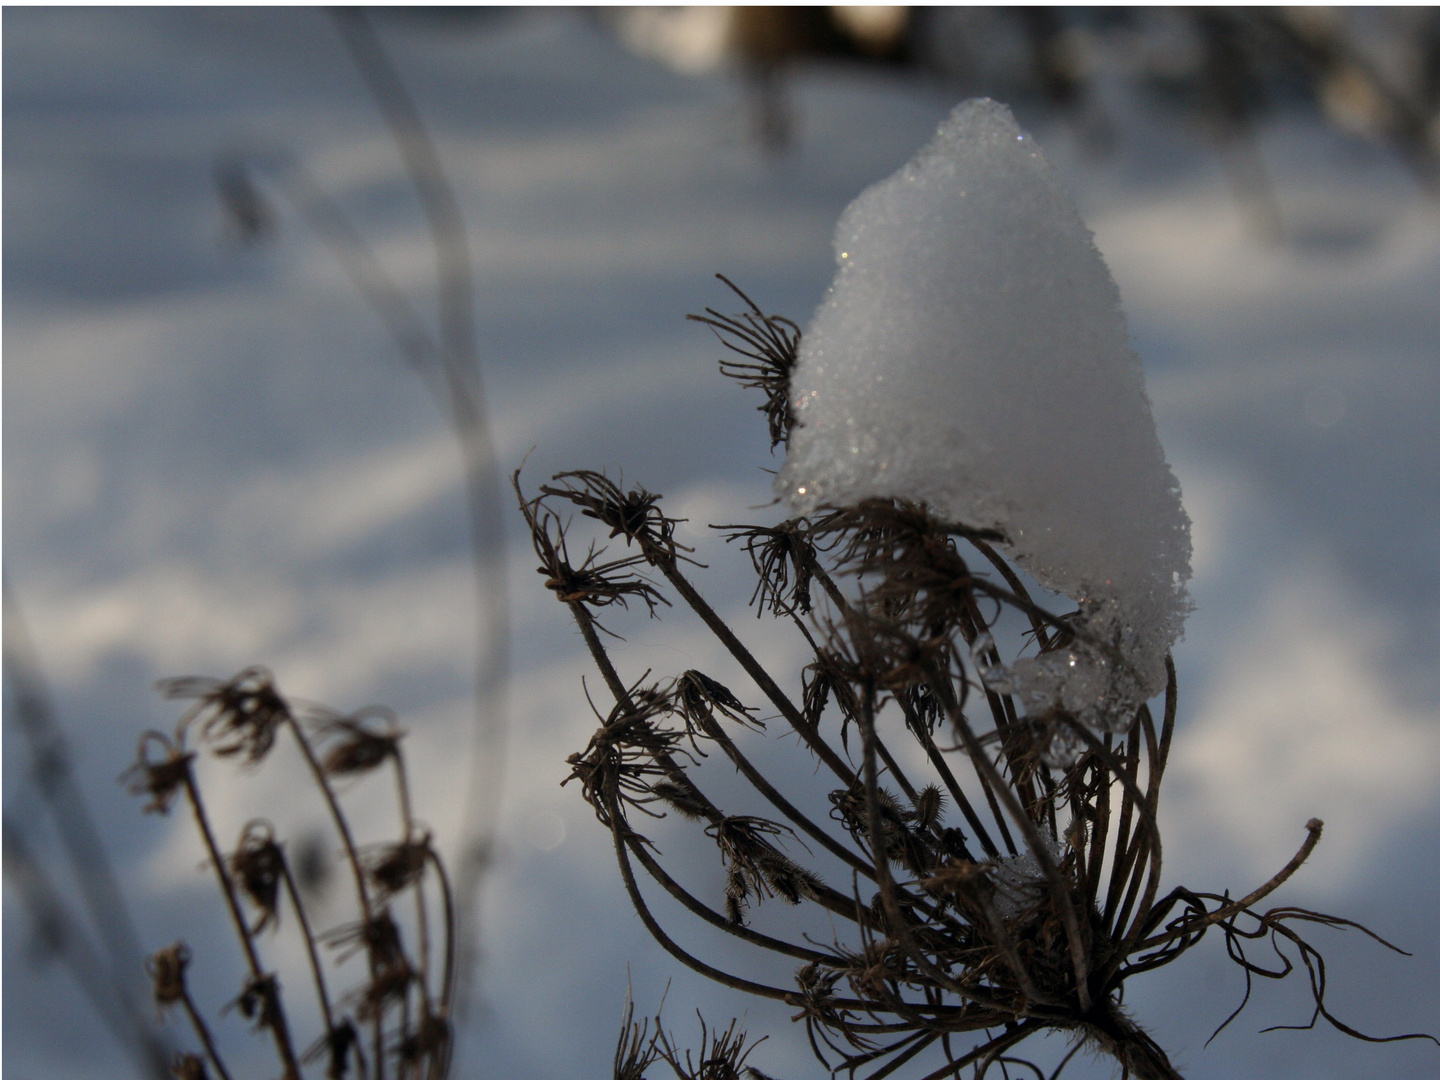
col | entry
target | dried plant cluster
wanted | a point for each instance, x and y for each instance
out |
(391, 1014)
(998, 879)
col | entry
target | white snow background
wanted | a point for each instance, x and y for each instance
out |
(215, 457)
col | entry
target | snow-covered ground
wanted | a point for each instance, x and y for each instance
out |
(215, 457)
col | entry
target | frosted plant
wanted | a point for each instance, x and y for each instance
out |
(972, 843)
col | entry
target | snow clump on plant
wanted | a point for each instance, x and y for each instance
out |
(971, 354)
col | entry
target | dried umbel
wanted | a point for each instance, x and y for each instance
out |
(258, 866)
(985, 868)
(167, 972)
(391, 1017)
(163, 778)
(236, 716)
(357, 743)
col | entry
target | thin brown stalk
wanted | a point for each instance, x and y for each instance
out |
(767, 685)
(352, 855)
(764, 787)
(1119, 867)
(1313, 828)
(1152, 847)
(337, 816)
(643, 910)
(1078, 942)
(1020, 1032)
(279, 1029)
(408, 832)
(893, 914)
(202, 1032)
(714, 918)
(311, 946)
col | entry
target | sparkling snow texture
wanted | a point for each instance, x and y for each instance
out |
(971, 354)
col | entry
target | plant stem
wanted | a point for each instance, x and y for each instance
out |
(279, 1028)
(202, 1030)
(362, 888)
(310, 947)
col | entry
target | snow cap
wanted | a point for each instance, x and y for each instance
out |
(971, 354)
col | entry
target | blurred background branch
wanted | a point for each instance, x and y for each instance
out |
(110, 975)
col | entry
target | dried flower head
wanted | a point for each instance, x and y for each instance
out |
(167, 972)
(258, 865)
(781, 556)
(430, 1039)
(337, 1046)
(721, 1055)
(769, 345)
(395, 867)
(697, 697)
(755, 867)
(378, 936)
(161, 779)
(238, 716)
(592, 583)
(637, 1049)
(628, 752)
(403, 1003)
(358, 745)
(633, 514)
(259, 1002)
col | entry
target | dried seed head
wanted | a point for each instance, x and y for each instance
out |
(698, 696)
(380, 937)
(633, 514)
(929, 804)
(259, 867)
(429, 1039)
(788, 878)
(592, 582)
(162, 780)
(682, 798)
(721, 1056)
(240, 716)
(336, 1046)
(769, 345)
(398, 866)
(388, 987)
(737, 891)
(259, 1002)
(755, 867)
(634, 1051)
(622, 759)
(167, 971)
(922, 710)
(777, 554)
(359, 746)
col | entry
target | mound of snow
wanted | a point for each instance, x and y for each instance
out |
(971, 354)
